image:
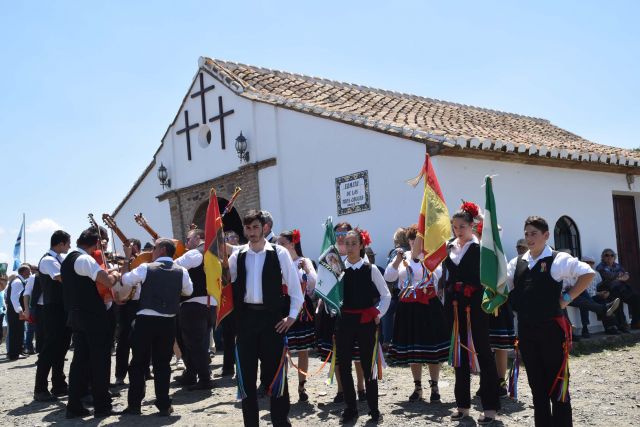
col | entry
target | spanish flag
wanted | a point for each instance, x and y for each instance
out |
(434, 224)
(216, 267)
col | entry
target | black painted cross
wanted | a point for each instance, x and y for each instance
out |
(201, 93)
(221, 115)
(187, 129)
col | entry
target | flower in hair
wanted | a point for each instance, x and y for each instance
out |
(364, 237)
(295, 238)
(470, 208)
(478, 228)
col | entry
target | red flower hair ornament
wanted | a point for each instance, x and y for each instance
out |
(295, 238)
(364, 237)
(470, 208)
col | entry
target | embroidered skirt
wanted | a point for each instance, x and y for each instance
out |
(502, 334)
(302, 335)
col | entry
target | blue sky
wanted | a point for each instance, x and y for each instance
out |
(87, 89)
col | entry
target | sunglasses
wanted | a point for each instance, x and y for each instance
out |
(341, 233)
(609, 255)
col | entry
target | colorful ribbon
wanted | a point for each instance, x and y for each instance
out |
(561, 382)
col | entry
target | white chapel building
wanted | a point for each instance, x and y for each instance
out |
(305, 148)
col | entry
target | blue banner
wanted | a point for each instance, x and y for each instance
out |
(16, 249)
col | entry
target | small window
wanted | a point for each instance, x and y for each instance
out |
(567, 236)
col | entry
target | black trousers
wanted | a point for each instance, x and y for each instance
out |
(152, 338)
(258, 340)
(628, 296)
(542, 354)
(228, 326)
(37, 313)
(126, 314)
(57, 337)
(194, 328)
(90, 367)
(16, 333)
(348, 331)
(488, 372)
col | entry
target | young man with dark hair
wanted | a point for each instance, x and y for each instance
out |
(57, 336)
(89, 322)
(16, 315)
(536, 280)
(162, 283)
(195, 317)
(264, 316)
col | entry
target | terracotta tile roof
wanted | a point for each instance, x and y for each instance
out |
(414, 117)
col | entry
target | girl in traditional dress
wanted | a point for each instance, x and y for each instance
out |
(359, 318)
(470, 350)
(420, 333)
(301, 337)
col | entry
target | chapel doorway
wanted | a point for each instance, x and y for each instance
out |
(624, 211)
(230, 222)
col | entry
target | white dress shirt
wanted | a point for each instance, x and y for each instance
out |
(564, 266)
(378, 280)
(86, 265)
(400, 274)
(139, 274)
(254, 262)
(456, 252)
(50, 265)
(28, 290)
(312, 277)
(17, 286)
(192, 259)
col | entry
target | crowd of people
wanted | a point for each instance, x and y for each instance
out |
(154, 311)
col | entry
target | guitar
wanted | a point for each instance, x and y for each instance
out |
(99, 256)
(142, 222)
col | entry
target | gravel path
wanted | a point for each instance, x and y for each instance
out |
(605, 390)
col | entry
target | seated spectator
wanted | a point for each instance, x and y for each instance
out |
(614, 280)
(586, 303)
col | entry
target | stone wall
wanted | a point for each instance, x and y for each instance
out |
(184, 202)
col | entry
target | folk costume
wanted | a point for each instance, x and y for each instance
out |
(259, 304)
(195, 320)
(302, 334)
(544, 333)
(502, 333)
(15, 307)
(57, 335)
(470, 351)
(89, 323)
(162, 284)
(366, 296)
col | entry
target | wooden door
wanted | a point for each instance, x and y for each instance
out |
(624, 208)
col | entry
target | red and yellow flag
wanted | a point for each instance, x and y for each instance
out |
(216, 267)
(434, 224)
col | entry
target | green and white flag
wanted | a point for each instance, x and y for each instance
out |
(329, 285)
(493, 263)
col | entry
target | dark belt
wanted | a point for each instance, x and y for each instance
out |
(255, 307)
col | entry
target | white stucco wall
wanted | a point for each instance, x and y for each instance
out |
(144, 200)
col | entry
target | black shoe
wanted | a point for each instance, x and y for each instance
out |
(132, 410)
(227, 373)
(44, 396)
(165, 412)
(349, 415)
(59, 392)
(612, 307)
(201, 385)
(458, 416)
(375, 415)
(148, 376)
(117, 383)
(362, 396)
(612, 330)
(485, 421)
(624, 329)
(302, 393)
(435, 392)
(339, 397)
(416, 395)
(185, 381)
(503, 391)
(585, 333)
(78, 413)
(105, 414)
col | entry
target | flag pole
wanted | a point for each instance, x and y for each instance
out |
(24, 238)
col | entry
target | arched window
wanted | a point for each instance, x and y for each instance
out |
(567, 236)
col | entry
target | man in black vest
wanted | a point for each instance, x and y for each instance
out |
(195, 317)
(263, 314)
(155, 327)
(89, 322)
(57, 336)
(16, 312)
(33, 302)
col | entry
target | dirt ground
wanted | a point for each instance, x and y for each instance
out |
(605, 390)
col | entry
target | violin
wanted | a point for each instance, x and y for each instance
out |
(142, 222)
(103, 291)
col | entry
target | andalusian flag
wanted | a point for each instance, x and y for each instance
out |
(216, 267)
(493, 263)
(434, 224)
(329, 284)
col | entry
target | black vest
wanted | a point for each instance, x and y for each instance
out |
(85, 308)
(162, 288)
(273, 298)
(199, 281)
(51, 289)
(37, 290)
(465, 273)
(10, 290)
(359, 290)
(536, 296)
